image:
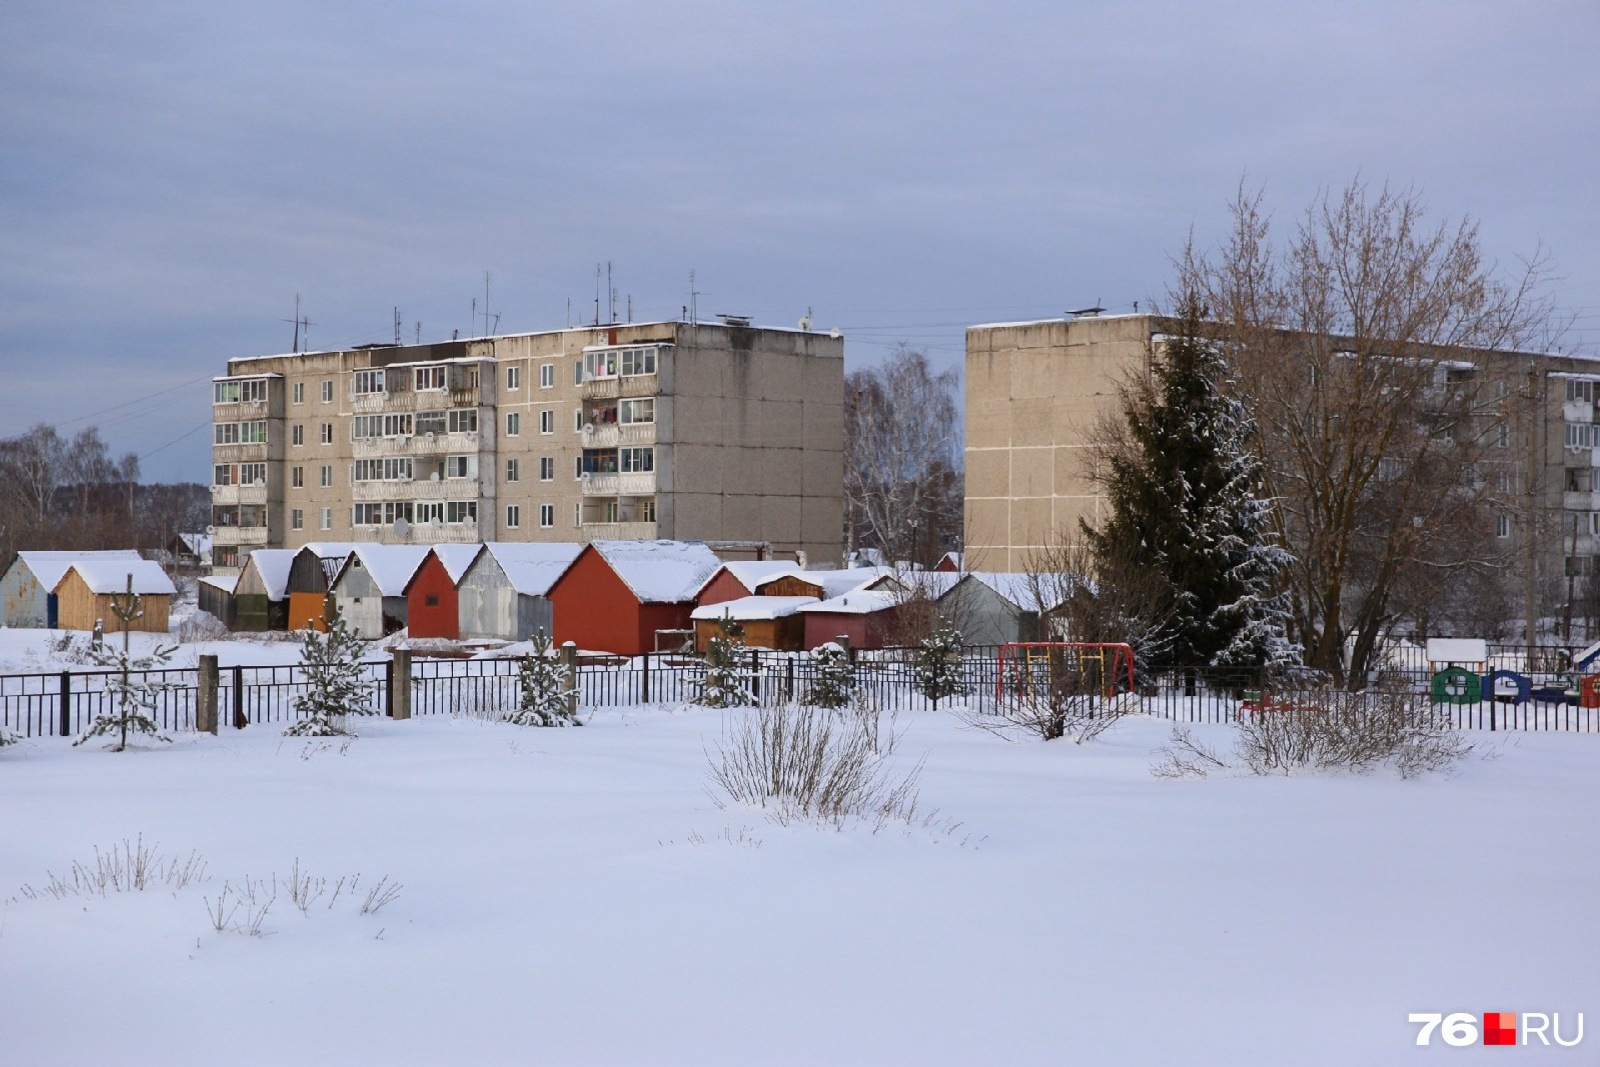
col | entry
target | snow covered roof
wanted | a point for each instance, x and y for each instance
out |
(749, 608)
(225, 582)
(833, 583)
(660, 572)
(533, 567)
(111, 576)
(198, 543)
(855, 602)
(390, 566)
(48, 567)
(456, 558)
(752, 572)
(272, 565)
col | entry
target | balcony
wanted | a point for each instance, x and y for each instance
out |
(254, 536)
(619, 531)
(422, 533)
(423, 489)
(633, 484)
(609, 388)
(238, 494)
(612, 435)
(254, 451)
(1571, 501)
(421, 444)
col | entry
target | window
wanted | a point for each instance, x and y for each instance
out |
(1502, 525)
(609, 362)
(297, 477)
(298, 393)
(224, 474)
(547, 515)
(1502, 481)
(577, 373)
(636, 460)
(513, 516)
(577, 421)
(547, 468)
(547, 421)
(326, 519)
(297, 434)
(577, 466)
(633, 412)
(513, 423)
(327, 476)
(425, 378)
(638, 361)
(367, 514)
(297, 519)
(253, 391)
(547, 376)
(513, 377)
(1580, 435)
(430, 422)
(463, 420)
(461, 466)
(1580, 391)
(601, 364)
(376, 426)
(1502, 437)
(1579, 479)
(577, 515)
(647, 510)
(240, 433)
(512, 467)
(327, 392)
(327, 432)
(390, 469)
(461, 511)
(366, 382)
(430, 511)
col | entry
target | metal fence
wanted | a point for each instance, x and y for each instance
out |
(64, 703)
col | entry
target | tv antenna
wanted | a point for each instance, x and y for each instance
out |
(302, 324)
(397, 326)
(694, 299)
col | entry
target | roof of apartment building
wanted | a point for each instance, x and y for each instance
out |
(532, 567)
(660, 572)
(113, 575)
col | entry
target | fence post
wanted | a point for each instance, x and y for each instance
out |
(66, 703)
(205, 697)
(644, 691)
(400, 684)
(569, 665)
(755, 677)
(788, 680)
(239, 721)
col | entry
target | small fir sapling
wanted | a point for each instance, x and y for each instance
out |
(938, 664)
(331, 663)
(721, 686)
(134, 701)
(833, 679)
(545, 691)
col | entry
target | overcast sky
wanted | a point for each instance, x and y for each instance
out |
(171, 175)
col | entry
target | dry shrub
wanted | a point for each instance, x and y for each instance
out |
(803, 763)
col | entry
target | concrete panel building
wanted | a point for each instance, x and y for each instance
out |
(689, 431)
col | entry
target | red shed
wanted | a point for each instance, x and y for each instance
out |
(617, 594)
(862, 615)
(432, 609)
(737, 580)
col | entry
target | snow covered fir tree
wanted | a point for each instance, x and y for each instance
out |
(335, 690)
(832, 679)
(722, 686)
(543, 697)
(938, 664)
(134, 700)
(1184, 491)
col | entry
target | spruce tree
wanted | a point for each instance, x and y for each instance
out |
(938, 663)
(544, 690)
(134, 699)
(721, 686)
(335, 690)
(1185, 499)
(832, 679)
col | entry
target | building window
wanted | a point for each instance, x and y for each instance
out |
(547, 376)
(1502, 436)
(577, 466)
(426, 378)
(633, 412)
(547, 468)
(638, 361)
(1503, 481)
(327, 392)
(577, 421)
(297, 519)
(513, 377)
(240, 433)
(513, 423)
(460, 466)
(547, 515)
(577, 515)
(326, 518)
(327, 476)
(577, 373)
(297, 477)
(297, 435)
(327, 432)
(1580, 391)
(247, 392)
(1502, 525)
(547, 421)
(298, 392)
(366, 382)
(513, 516)
(512, 468)
(461, 511)
(462, 420)
(391, 469)
(647, 510)
(636, 460)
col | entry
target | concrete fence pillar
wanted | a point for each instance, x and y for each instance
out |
(569, 667)
(400, 685)
(206, 693)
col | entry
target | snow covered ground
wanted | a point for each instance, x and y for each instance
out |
(576, 897)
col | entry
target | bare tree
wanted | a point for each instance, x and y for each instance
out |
(1380, 438)
(903, 488)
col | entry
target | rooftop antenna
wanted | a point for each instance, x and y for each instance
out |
(694, 299)
(487, 331)
(597, 294)
(611, 296)
(474, 325)
(630, 307)
(397, 325)
(419, 333)
(301, 324)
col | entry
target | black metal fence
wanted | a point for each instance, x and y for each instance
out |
(64, 703)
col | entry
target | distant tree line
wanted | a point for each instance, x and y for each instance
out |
(60, 492)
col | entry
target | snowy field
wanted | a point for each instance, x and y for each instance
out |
(577, 897)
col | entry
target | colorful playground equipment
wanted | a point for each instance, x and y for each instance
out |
(1460, 674)
(1029, 668)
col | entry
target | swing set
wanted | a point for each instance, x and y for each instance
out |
(1030, 668)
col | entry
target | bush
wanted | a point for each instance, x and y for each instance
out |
(804, 763)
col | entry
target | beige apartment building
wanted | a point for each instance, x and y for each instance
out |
(1036, 390)
(696, 431)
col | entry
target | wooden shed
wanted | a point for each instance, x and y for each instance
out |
(767, 621)
(369, 592)
(740, 578)
(617, 595)
(432, 606)
(214, 596)
(85, 594)
(261, 598)
(310, 578)
(27, 588)
(504, 595)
